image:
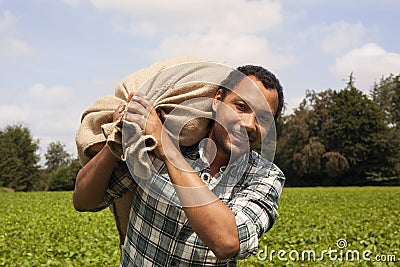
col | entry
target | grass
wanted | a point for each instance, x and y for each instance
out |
(43, 229)
(367, 218)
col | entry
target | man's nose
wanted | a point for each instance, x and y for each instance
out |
(249, 121)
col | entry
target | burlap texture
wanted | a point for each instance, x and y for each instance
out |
(167, 89)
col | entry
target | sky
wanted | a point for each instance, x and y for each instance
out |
(58, 56)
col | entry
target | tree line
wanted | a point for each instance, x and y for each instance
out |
(345, 137)
(334, 138)
(20, 163)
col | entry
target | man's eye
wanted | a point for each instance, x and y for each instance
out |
(241, 106)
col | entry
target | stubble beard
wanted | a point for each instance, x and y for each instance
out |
(224, 144)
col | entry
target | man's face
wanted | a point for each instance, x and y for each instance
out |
(244, 116)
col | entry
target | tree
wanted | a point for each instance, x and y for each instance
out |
(61, 168)
(299, 149)
(293, 135)
(11, 166)
(19, 159)
(56, 156)
(387, 95)
(356, 129)
(335, 164)
(341, 138)
(308, 161)
(63, 178)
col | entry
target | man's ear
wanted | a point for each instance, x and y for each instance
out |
(217, 99)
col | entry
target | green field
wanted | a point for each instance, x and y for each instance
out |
(42, 229)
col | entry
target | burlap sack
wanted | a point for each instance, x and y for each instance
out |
(167, 83)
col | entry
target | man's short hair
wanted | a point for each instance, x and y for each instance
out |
(267, 78)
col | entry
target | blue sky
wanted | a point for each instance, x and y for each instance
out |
(58, 56)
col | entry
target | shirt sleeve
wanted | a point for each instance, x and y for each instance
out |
(256, 208)
(120, 183)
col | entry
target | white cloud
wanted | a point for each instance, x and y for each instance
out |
(72, 2)
(368, 63)
(222, 30)
(11, 47)
(292, 103)
(52, 113)
(336, 38)
(177, 17)
(55, 125)
(7, 22)
(66, 122)
(341, 36)
(52, 96)
(11, 114)
(231, 49)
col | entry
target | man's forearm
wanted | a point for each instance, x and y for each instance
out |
(210, 218)
(92, 180)
(222, 237)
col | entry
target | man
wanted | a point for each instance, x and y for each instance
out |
(214, 225)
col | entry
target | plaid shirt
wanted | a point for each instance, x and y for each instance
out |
(159, 233)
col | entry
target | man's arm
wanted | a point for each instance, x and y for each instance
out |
(232, 229)
(92, 180)
(222, 237)
(213, 221)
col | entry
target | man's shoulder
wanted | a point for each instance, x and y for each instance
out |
(261, 164)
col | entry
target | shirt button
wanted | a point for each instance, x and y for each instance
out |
(205, 176)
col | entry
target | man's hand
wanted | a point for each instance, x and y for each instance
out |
(141, 111)
(119, 111)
